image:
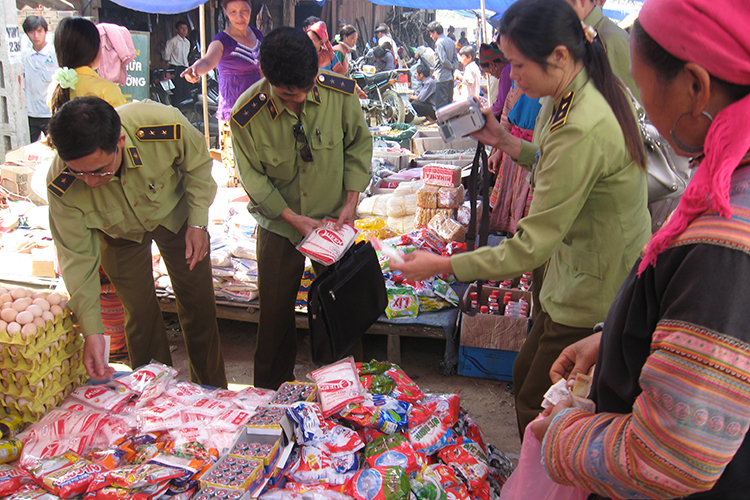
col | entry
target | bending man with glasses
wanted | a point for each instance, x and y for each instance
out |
(302, 151)
(120, 180)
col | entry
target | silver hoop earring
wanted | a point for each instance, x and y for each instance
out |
(681, 145)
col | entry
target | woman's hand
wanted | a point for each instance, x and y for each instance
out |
(191, 75)
(495, 135)
(422, 265)
(539, 428)
(493, 162)
(576, 358)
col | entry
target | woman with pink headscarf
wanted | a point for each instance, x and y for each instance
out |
(672, 378)
(318, 33)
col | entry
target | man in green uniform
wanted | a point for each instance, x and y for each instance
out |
(303, 152)
(614, 39)
(120, 180)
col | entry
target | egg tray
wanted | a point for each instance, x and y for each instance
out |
(52, 397)
(58, 368)
(57, 376)
(50, 333)
(62, 332)
(40, 362)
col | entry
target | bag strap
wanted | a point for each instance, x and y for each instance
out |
(479, 167)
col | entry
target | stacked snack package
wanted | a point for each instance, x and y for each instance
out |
(40, 353)
(441, 196)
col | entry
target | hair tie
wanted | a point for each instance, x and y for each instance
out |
(66, 78)
(589, 32)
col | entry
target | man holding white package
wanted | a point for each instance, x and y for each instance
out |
(303, 152)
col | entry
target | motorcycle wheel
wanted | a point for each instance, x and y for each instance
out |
(396, 110)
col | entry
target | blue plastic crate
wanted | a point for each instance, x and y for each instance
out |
(486, 363)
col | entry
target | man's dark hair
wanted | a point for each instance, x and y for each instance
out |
(288, 58)
(83, 126)
(436, 27)
(423, 70)
(33, 22)
(309, 21)
(180, 23)
(379, 52)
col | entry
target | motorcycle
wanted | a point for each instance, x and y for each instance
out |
(381, 103)
(191, 107)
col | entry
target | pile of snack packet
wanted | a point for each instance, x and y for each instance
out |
(439, 201)
(40, 353)
(362, 431)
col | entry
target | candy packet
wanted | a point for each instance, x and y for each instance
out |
(338, 385)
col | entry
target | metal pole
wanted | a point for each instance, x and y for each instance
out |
(484, 22)
(204, 85)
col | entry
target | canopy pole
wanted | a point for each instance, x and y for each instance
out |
(204, 84)
(484, 22)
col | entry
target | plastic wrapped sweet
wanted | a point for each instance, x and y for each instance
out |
(65, 475)
(380, 412)
(338, 385)
(393, 450)
(379, 483)
(12, 479)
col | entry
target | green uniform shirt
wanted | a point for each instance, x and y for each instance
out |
(588, 215)
(165, 179)
(268, 160)
(616, 43)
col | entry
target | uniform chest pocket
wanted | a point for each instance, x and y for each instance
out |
(154, 189)
(329, 138)
(278, 162)
(580, 261)
(103, 219)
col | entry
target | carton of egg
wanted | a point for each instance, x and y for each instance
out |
(41, 355)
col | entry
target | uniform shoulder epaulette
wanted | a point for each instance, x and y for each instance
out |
(345, 85)
(560, 113)
(247, 112)
(60, 184)
(171, 132)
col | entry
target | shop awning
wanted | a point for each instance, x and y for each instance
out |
(494, 5)
(161, 7)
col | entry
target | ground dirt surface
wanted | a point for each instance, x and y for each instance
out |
(489, 402)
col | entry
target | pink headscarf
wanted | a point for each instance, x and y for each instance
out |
(714, 35)
(320, 29)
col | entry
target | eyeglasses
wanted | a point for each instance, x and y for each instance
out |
(96, 173)
(299, 136)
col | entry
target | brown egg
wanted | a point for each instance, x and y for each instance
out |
(18, 293)
(41, 302)
(8, 314)
(35, 310)
(54, 298)
(24, 317)
(21, 304)
(56, 310)
(6, 297)
(14, 328)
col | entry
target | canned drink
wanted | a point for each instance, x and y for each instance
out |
(229, 460)
(266, 447)
(235, 484)
(236, 468)
(10, 450)
(10, 426)
(242, 477)
(234, 495)
(242, 446)
(242, 461)
(221, 493)
(202, 496)
(209, 490)
(254, 446)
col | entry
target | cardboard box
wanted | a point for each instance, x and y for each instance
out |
(490, 331)
(486, 363)
(398, 160)
(431, 140)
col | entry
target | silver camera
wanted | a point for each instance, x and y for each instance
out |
(459, 119)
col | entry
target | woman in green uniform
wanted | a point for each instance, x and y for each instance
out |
(588, 217)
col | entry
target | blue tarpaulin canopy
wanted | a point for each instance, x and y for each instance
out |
(161, 6)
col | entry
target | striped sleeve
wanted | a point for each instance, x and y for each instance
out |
(685, 427)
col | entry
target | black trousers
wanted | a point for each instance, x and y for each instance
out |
(424, 109)
(181, 86)
(443, 93)
(37, 126)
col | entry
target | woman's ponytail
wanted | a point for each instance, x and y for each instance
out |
(613, 89)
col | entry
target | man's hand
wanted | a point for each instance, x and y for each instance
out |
(576, 358)
(349, 212)
(196, 246)
(539, 428)
(422, 265)
(93, 357)
(304, 225)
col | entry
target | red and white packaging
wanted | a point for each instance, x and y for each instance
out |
(338, 385)
(102, 397)
(146, 376)
(326, 244)
(230, 420)
(442, 175)
(12, 479)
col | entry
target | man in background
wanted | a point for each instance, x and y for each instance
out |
(176, 54)
(423, 100)
(383, 34)
(39, 66)
(446, 62)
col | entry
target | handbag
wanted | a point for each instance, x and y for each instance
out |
(344, 302)
(668, 173)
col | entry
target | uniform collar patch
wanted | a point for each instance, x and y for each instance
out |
(135, 157)
(60, 184)
(316, 94)
(560, 112)
(247, 112)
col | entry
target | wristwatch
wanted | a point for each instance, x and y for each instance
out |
(204, 228)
